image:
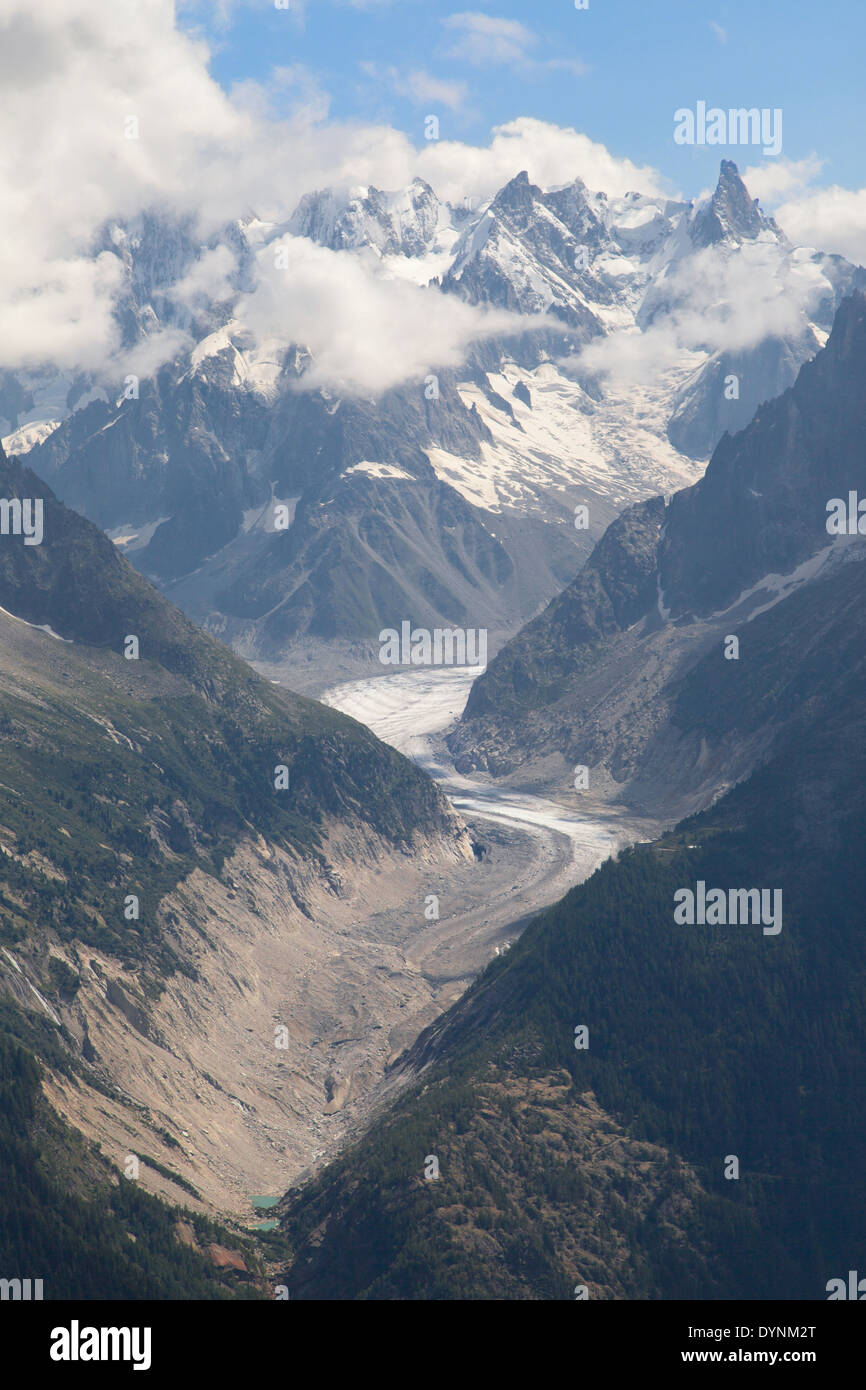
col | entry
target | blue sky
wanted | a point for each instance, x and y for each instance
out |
(616, 72)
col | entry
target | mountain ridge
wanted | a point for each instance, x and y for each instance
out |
(525, 432)
(584, 683)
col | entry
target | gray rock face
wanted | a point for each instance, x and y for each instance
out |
(15, 399)
(403, 224)
(762, 502)
(615, 588)
(527, 254)
(367, 559)
(730, 214)
(184, 454)
(156, 251)
(723, 395)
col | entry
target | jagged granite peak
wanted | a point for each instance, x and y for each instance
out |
(731, 214)
(402, 223)
(181, 459)
(517, 195)
(586, 214)
(531, 252)
(724, 391)
(576, 249)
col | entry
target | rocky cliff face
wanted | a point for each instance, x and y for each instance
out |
(730, 214)
(763, 501)
(603, 678)
(615, 588)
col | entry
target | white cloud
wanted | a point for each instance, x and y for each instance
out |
(148, 356)
(720, 33)
(485, 40)
(74, 74)
(59, 309)
(292, 92)
(420, 86)
(572, 65)
(208, 280)
(423, 88)
(830, 219)
(716, 301)
(779, 179)
(366, 331)
(550, 154)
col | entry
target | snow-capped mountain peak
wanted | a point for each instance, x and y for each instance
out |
(730, 215)
(404, 223)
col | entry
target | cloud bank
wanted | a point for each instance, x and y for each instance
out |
(365, 331)
(110, 111)
(716, 301)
